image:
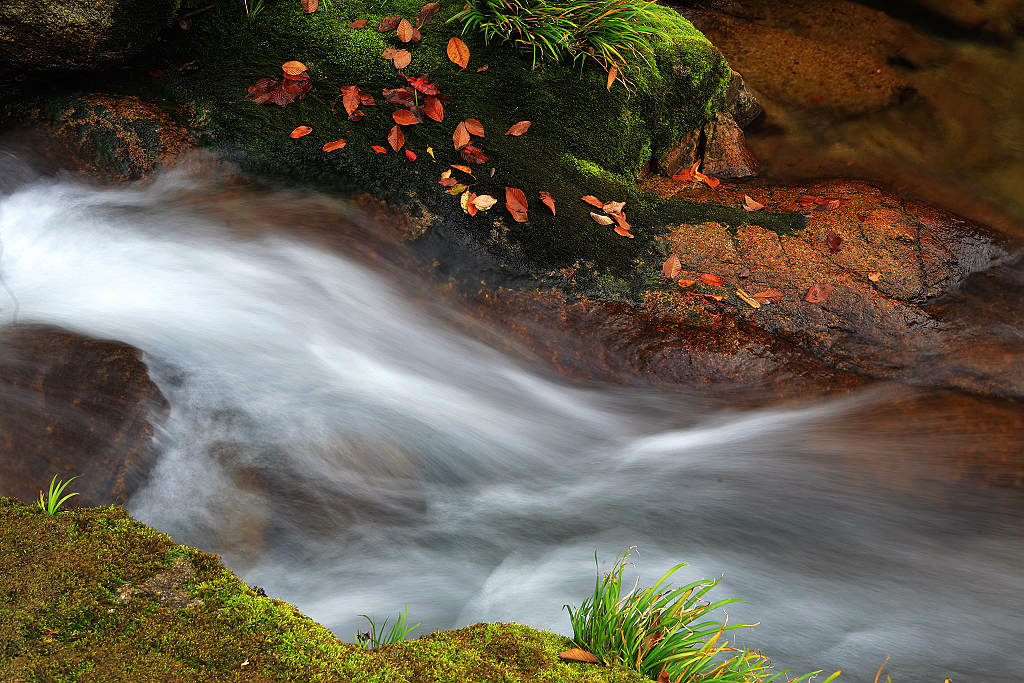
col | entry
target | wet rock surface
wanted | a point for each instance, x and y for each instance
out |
(71, 405)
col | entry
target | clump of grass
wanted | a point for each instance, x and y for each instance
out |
(664, 633)
(51, 503)
(616, 34)
(376, 637)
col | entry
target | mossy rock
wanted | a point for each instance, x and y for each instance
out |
(92, 595)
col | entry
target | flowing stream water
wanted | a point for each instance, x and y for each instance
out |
(350, 452)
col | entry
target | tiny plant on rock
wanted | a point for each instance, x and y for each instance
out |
(376, 637)
(52, 501)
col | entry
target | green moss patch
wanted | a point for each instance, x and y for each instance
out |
(92, 595)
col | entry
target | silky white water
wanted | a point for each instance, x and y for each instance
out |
(350, 453)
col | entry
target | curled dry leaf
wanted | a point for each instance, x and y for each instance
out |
(300, 131)
(461, 136)
(751, 301)
(710, 181)
(579, 655)
(672, 267)
(687, 174)
(810, 199)
(405, 31)
(430, 151)
(828, 205)
(433, 108)
(593, 201)
(458, 52)
(403, 97)
(378, 149)
(466, 202)
(686, 283)
(331, 146)
(293, 68)
(410, 155)
(619, 230)
(389, 24)
(620, 219)
(396, 138)
(518, 129)
(402, 59)
(818, 294)
(404, 117)
(548, 201)
(310, 6)
(770, 296)
(834, 241)
(427, 13)
(613, 73)
(474, 127)
(601, 219)
(464, 169)
(613, 207)
(359, 23)
(485, 202)
(874, 277)
(709, 279)
(357, 115)
(716, 297)
(750, 205)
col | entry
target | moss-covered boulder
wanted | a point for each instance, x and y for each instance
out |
(92, 595)
(77, 35)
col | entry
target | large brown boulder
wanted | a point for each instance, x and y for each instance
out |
(71, 405)
(76, 35)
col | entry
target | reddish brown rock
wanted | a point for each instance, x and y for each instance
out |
(682, 154)
(726, 154)
(71, 405)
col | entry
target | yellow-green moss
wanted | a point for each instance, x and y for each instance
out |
(61, 619)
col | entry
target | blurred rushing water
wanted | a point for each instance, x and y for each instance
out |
(347, 450)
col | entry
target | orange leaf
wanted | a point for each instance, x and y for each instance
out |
(309, 6)
(687, 174)
(475, 127)
(518, 128)
(300, 131)
(402, 59)
(404, 117)
(709, 279)
(388, 24)
(672, 268)
(686, 283)
(515, 199)
(410, 155)
(613, 207)
(548, 201)
(485, 67)
(578, 655)
(447, 182)
(613, 73)
(405, 31)
(378, 149)
(710, 181)
(396, 138)
(433, 108)
(464, 169)
(331, 146)
(350, 98)
(359, 23)
(389, 53)
(461, 136)
(293, 68)
(818, 294)
(770, 296)
(593, 201)
(619, 230)
(458, 52)
(874, 277)
(620, 218)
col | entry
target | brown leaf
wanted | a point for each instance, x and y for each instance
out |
(518, 129)
(401, 96)
(357, 115)
(389, 53)
(874, 277)
(613, 73)
(601, 219)
(279, 91)
(515, 202)
(577, 655)
(366, 99)
(593, 201)
(300, 131)
(433, 108)
(834, 241)
(548, 201)
(458, 52)
(293, 68)
(770, 296)
(709, 279)
(402, 59)
(485, 67)
(467, 203)
(396, 138)
(389, 24)
(810, 199)
(427, 13)
(710, 181)
(331, 146)
(687, 174)
(686, 283)
(473, 155)
(620, 218)
(404, 117)
(672, 268)
(405, 31)
(350, 98)
(378, 149)
(716, 297)
(613, 207)
(461, 136)
(818, 294)
(359, 23)
(310, 6)
(750, 205)
(475, 127)
(447, 182)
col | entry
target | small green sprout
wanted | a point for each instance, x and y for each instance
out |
(375, 637)
(53, 500)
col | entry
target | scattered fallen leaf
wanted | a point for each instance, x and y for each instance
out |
(579, 655)
(359, 23)
(485, 67)
(403, 97)
(430, 151)
(861, 217)
(593, 201)
(709, 279)
(613, 207)
(751, 205)
(770, 296)
(461, 136)
(458, 52)
(818, 293)
(834, 241)
(686, 283)
(828, 205)
(396, 138)
(613, 73)
(423, 85)
(475, 127)
(293, 68)
(378, 149)
(515, 202)
(447, 173)
(357, 115)
(389, 24)
(464, 201)
(433, 108)
(518, 128)
(366, 99)
(620, 219)
(548, 201)
(389, 53)
(279, 91)
(492, 172)
(619, 230)
(485, 202)
(716, 297)
(300, 131)
(473, 155)
(405, 31)
(710, 181)
(447, 182)
(350, 98)
(410, 155)
(457, 188)
(402, 59)
(404, 117)
(754, 303)
(874, 277)
(310, 6)
(331, 146)
(601, 219)
(427, 13)
(464, 169)
(687, 174)
(672, 267)
(809, 199)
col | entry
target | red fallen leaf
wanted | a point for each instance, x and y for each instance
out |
(405, 31)
(473, 155)
(578, 655)
(515, 202)
(404, 117)
(672, 268)
(518, 129)
(818, 294)
(389, 53)
(293, 68)
(471, 207)
(834, 241)
(548, 201)
(861, 217)
(300, 131)
(427, 13)
(461, 136)
(331, 146)
(401, 96)
(378, 149)
(388, 24)
(613, 73)
(357, 115)
(874, 277)
(350, 98)
(359, 23)
(402, 59)
(366, 99)
(396, 138)
(475, 127)
(828, 205)
(447, 182)
(433, 108)
(410, 155)
(279, 91)
(464, 169)
(769, 296)
(423, 85)
(310, 6)
(485, 67)
(810, 199)
(593, 201)
(709, 279)
(710, 181)
(750, 205)
(686, 283)
(458, 52)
